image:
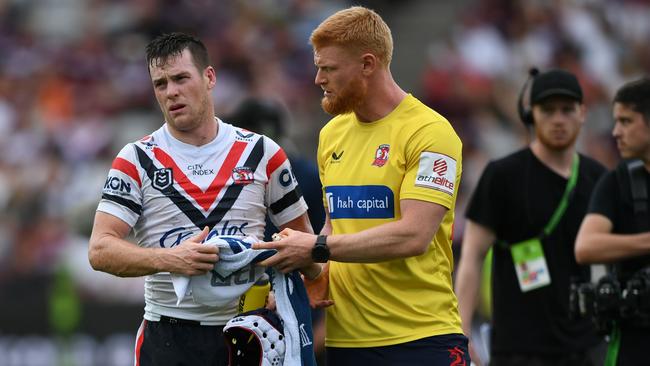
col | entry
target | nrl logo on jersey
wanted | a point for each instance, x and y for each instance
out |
(381, 155)
(243, 175)
(162, 178)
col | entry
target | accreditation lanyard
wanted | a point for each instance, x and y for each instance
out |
(528, 255)
(564, 202)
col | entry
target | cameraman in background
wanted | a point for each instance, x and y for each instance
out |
(527, 207)
(616, 231)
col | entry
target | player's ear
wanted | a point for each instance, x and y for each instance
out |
(369, 63)
(211, 76)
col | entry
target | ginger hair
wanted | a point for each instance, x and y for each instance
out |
(357, 29)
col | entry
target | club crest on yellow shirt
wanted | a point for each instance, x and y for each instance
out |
(381, 155)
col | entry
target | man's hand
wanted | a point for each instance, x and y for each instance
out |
(310, 272)
(191, 257)
(474, 355)
(318, 290)
(293, 251)
(270, 301)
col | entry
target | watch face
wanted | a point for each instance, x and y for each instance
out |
(320, 253)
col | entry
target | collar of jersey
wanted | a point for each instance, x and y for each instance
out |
(400, 107)
(223, 132)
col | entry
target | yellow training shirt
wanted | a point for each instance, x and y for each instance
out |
(366, 169)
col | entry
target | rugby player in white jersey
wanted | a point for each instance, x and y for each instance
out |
(193, 178)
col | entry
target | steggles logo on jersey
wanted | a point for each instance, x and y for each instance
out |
(440, 167)
(176, 235)
(242, 175)
(381, 155)
(162, 178)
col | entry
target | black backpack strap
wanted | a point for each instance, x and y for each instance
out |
(638, 187)
(632, 186)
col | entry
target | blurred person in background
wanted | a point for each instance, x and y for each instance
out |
(616, 230)
(514, 210)
(193, 178)
(269, 118)
(389, 166)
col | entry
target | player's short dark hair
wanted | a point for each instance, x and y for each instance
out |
(636, 95)
(167, 45)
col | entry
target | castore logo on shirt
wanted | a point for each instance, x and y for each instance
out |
(244, 136)
(148, 142)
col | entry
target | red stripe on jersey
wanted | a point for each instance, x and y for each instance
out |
(127, 168)
(204, 199)
(138, 342)
(278, 159)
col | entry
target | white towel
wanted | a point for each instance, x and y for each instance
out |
(238, 261)
(236, 267)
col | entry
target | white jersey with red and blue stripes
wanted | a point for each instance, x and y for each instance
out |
(167, 191)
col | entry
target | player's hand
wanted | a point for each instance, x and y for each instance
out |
(293, 251)
(270, 301)
(318, 291)
(476, 360)
(312, 271)
(191, 257)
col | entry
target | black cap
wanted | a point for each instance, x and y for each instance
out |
(555, 82)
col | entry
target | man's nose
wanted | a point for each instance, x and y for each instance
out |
(559, 117)
(172, 90)
(319, 79)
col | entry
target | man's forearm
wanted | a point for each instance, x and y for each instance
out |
(608, 247)
(122, 258)
(467, 286)
(385, 242)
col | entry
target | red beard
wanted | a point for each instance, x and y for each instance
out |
(347, 100)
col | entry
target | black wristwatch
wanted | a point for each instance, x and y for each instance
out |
(320, 253)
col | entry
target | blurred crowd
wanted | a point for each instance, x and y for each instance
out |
(475, 73)
(74, 88)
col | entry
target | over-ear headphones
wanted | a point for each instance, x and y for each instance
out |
(526, 115)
